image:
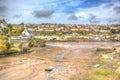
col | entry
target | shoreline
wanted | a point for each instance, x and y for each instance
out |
(82, 41)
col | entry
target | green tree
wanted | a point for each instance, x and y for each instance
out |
(21, 45)
(37, 43)
(8, 45)
(19, 31)
(5, 31)
(9, 27)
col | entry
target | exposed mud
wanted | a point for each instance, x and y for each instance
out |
(31, 67)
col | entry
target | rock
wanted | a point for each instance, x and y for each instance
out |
(97, 65)
(49, 68)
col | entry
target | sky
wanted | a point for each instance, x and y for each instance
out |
(61, 11)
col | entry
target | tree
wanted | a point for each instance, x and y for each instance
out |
(8, 45)
(9, 26)
(5, 30)
(19, 31)
(37, 43)
(21, 45)
(22, 23)
(115, 31)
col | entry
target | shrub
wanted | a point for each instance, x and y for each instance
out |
(37, 43)
(3, 47)
(21, 45)
(3, 37)
(8, 45)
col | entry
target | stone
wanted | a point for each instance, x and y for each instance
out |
(49, 68)
(97, 65)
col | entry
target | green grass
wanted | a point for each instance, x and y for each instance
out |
(3, 37)
(104, 72)
(14, 48)
(100, 74)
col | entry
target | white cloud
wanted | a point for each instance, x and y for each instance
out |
(25, 8)
(101, 12)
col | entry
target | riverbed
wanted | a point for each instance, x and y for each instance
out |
(32, 66)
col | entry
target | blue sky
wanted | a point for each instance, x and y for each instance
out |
(61, 11)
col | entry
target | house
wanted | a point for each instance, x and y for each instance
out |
(27, 33)
(66, 36)
(3, 23)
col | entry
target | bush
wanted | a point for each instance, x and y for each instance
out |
(8, 45)
(37, 43)
(3, 37)
(21, 45)
(3, 47)
(14, 48)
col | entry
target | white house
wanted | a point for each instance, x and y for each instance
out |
(27, 33)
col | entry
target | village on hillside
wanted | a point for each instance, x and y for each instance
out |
(60, 32)
(19, 35)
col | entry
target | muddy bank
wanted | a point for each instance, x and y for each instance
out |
(32, 66)
(82, 44)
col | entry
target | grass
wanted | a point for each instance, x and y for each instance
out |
(14, 48)
(105, 74)
(3, 37)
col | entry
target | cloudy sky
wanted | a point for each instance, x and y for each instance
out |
(61, 11)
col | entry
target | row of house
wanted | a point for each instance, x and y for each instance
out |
(29, 30)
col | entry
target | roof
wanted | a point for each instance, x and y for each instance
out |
(29, 31)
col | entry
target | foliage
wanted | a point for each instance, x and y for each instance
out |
(13, 31)
(3, 47)
(3, 37)
(9, 26)
(37, 43)
(103, 72)
(21, 45)
(14, 48)
(8, 45)
(115, 31)
(54, 39)
(19, 31)
(16, 32)
(5, 30)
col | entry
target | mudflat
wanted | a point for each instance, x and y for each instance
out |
(68, 58)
